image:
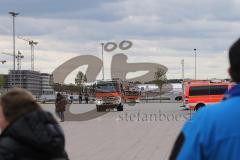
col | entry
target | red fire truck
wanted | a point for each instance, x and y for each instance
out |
(109, 94)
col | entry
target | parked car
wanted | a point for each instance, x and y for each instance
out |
(47, 98)
(178, 98)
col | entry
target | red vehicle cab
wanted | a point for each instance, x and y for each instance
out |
(109, 95)
(132, 96)
(199, 93)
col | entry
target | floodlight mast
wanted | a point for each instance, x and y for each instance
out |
(14, 14)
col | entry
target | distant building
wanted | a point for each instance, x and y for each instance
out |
(46, 81)
(170, 90)
(35, 82)
(3, 81)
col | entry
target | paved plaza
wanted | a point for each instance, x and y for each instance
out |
(144, 131)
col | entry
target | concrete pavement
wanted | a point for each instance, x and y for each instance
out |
(140, 132)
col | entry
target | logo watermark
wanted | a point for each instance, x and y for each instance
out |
(119, 69)
(158, 116)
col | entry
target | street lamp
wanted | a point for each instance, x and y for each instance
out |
(182, 63)
(13, 14)
(183, 99)
(195, 52)
(102, 61)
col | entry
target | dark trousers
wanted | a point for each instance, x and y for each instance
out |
(60, 115)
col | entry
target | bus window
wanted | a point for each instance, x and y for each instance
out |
(199, 90)
(218, 90)
(208, 90)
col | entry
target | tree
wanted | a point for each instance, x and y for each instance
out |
(2, 81)
(66, 87)
(80, 79)
(160, 79)
(137, 82)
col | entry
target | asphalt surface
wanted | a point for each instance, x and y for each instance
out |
(144, 131)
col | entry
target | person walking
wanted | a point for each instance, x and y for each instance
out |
(86, 98)
(60, 106)
(27, 131)
(214, 131)
(80, 98)
(71, 98)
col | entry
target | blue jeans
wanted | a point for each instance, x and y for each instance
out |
(60, 115)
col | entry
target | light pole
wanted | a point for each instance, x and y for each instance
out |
(183, 100)
(14, 14)
(182, 62)
(195, 52)
(102, 61)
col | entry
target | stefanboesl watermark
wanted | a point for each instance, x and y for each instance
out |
(158, 116)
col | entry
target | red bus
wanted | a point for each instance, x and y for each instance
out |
(200, 93)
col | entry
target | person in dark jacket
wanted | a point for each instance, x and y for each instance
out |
(80, 98)
(86, 98)
(28, 132)
(71, 98)
(60, 105)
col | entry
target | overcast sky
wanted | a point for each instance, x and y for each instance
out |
(161, 31)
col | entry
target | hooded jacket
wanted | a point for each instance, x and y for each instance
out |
(35, 136)
(60, 104)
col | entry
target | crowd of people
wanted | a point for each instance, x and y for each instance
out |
(81, 98)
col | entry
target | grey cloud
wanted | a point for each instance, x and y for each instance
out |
(60, 9)
(175, 10)
(172, 27)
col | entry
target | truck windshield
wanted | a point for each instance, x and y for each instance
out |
(107, 87)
